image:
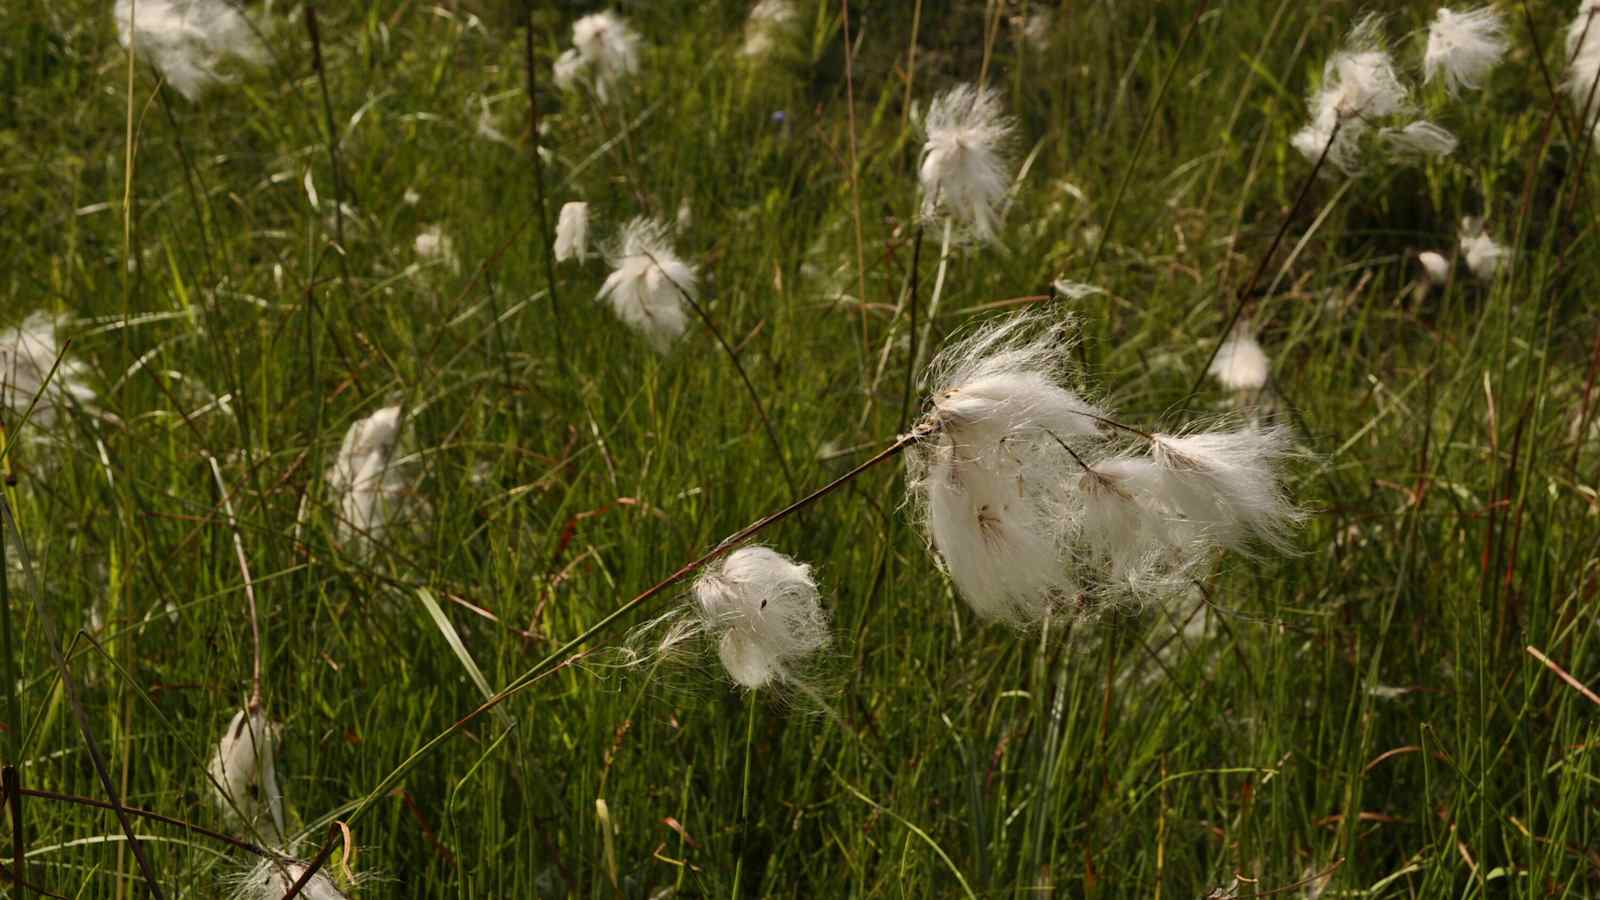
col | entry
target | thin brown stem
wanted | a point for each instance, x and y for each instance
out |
(151, 815)
(1243, 297)
(315, 864)
(749, 387)
(561, 655)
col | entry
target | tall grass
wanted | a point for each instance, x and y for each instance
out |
(1365, 710)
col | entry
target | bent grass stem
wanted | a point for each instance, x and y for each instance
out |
(561, 655)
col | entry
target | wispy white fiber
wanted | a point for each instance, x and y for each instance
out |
(27, 353)
(770, 24)
(243, 775)
(1419, 139)
(572, 232)
(1035, 501)
(433, 245)
(1240, 364)
(964, 171)
(1483, 255)
(272, 879)
(989, 476)
(765, 613)
(190, 41)
(367, 485)
(1583, 49)
(1360, 86)
(647, 284)
(1464, 46)
(605, 53)
(1225, 485)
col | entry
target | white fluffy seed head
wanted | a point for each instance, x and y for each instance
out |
(272, 879)
(1224, 485)
(433, 245)
(608, 51)
(192, 42)
(1484, 257)
(1434, 266)
(770, 24)
(987, 476)
(964, 169)
(1034, 501)
(27, 354)
(365, 482)
(647, 284)
(764, 612)
(1463, 47)
(243, 775)
(1583, 51)
(1419, 139)
(1240, 364)
(572, 232)
(1360, 85)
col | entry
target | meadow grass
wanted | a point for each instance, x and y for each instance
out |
(1367, 709)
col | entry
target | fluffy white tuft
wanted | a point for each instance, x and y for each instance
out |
(1420, 138)
(987, 478)
(607, 51)
(647, 284)
(770, 24)
(1035, 501)
(964, 169)
(243, 776)
(433, 245)
(1484, 257)
(1224, 485)
(1359, 86)
(1463, 47)
(368, 486)
(1583, 50)
(765, 613)
(272, 879)
(572, 232)
(1241, 364)
(27, 353)
(1434, 266)
(190, 41)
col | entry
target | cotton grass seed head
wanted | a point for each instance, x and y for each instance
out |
(572, 232)
(365, 481)
(1418, 139)
(964, 169)
(190, 41)
(1484, 256)
(1240, 364)
(1034, 501)
(1360, 86)
(243, 775)
(987, 475)
(771, 24)
(1583, 50)
(1434, 267)
(608, 54)
(647, 284)
(27, 354)
(765, 613)
(1463, 47)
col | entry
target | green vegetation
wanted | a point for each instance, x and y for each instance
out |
(1367, 708)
